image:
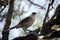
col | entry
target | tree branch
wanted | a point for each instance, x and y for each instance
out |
(46, 16)
(36, 4)
(8, 21)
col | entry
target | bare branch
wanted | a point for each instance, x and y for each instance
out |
(46, 16)
(36, 4)
(51, 4)
(2, 9)
(48, 25)
(55, 33)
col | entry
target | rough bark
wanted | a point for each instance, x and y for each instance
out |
(8, 21)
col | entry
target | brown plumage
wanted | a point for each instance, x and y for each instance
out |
(26, 22)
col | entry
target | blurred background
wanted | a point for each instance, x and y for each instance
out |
(22, 9)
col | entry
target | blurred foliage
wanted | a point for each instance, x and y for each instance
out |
(37, 25)
(55, 27)
(17, 12)
(0, 30)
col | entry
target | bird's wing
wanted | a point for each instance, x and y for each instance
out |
(25, 20)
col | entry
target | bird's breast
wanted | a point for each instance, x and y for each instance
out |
(28, 23)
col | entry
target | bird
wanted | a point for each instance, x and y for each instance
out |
(25, 23)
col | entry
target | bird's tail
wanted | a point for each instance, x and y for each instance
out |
(17, 26)
(10, 29)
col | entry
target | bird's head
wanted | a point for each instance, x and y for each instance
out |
(33, 14)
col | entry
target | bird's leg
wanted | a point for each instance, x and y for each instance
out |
(25, 30)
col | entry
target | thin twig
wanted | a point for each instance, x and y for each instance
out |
(2, 9)
(36, 4)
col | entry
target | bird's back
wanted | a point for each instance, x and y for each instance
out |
(26, 22)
